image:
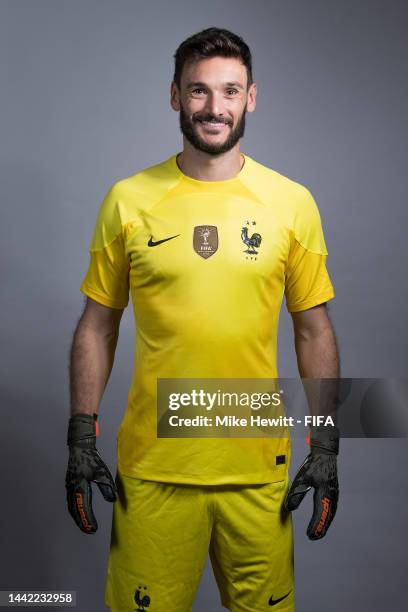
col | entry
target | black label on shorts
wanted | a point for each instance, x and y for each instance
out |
(280, 459)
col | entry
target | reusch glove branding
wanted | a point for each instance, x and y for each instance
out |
(319, 470)
(85, 465)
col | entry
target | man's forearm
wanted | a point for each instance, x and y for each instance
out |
(91, 360)
(317, 354)
(318, 362)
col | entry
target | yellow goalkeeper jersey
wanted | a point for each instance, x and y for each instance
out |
(207, 264)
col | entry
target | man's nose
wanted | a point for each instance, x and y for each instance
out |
(215, 104)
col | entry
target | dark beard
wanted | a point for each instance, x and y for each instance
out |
(188, 129)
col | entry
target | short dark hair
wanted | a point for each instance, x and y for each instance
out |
(212, 42)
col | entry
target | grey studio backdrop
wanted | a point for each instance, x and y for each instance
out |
(85, 88)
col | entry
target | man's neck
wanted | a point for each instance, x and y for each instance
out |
(204, 167)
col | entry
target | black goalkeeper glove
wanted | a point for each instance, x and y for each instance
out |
(85, 465)
(319, 470)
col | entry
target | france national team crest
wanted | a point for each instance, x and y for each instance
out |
(142, 599)
(252, 242)
(205, 240)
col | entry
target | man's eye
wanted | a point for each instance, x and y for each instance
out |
(198, 90)
(232, 92)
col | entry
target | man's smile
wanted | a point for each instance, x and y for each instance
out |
(212, 126)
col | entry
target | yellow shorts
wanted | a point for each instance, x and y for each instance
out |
(162, 533)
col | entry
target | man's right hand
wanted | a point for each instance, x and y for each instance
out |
(85, 465)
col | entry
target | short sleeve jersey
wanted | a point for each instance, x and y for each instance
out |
(207, 264)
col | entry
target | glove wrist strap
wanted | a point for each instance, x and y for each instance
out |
(82, 430)
(324, 440)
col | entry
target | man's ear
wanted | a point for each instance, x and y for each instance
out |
(174, 97)
(251, 100)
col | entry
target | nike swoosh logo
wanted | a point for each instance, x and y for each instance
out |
(273, 602)
(151, 243)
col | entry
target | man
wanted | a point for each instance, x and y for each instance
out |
(207, 242)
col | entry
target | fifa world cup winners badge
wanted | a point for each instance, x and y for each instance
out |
(205, 240)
